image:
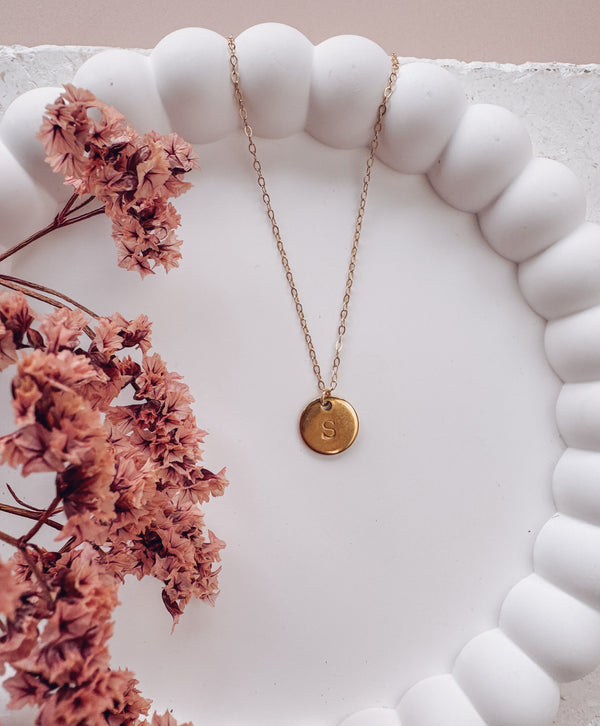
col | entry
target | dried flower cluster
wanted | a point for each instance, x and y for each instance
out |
(128, 478)
(56, 641)
(133, 176)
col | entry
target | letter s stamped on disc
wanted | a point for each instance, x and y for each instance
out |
(329, 426)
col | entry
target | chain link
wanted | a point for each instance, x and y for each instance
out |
(239, 97)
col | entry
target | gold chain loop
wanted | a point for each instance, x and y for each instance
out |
(325, 389)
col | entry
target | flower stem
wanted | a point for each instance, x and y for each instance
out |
(49, 291)
(4, 537)
(67, 545)
(61, 220)
(82, 205)
(40, 233)
(30, 515)
(66, 209)
(30, 293)
(81, 217)
(35, 570)
(41, 521)
(13, 494)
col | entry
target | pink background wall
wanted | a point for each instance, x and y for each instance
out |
(503, 30)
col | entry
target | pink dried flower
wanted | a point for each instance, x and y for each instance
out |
(132, 176)
(63, 667)
(62, 328)
(11, 589)
(128, 478)
(15, 323)
(166, 719)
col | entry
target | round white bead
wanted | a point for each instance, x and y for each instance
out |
(275, 67)
(192, 73)
(438, 700)
(566, 554)
(349, 74)
(124, 79)
(576, 484)
(578, 415)
(24, 206)
(422, 114)
(489, 148)
(564, 278)
(506, 687)
(542, 205)
(19, 128)
(573, 345)
(558, 631)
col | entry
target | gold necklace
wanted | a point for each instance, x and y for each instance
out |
(328, 425)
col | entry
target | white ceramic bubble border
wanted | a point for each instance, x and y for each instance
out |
(531, 211)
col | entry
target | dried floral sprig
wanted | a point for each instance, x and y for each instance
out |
(128, 478)
(128, 482)
(133, 176)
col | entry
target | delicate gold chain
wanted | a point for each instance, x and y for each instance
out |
(235, 78)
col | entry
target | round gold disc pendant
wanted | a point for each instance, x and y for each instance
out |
(329, 426)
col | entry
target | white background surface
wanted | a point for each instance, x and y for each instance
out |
(470, 30)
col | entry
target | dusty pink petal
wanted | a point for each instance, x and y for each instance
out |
(152, 170)
(56, 139)
(167, 719)
(8, 349)
(180, 155)
(62, 329)
(107, 338)
(63, 131)
(202, 484)
(145, 235)
(16, 315)
(73, 94)
(28, 448)
(25, 689)
(111, 130)
(108, 184)
(10, 590)
(128, 254)
(170, 217)
(134, 333)
(26, 394)
(20, 643)
(62, 371)
(106, 698)
(175, 186)
(170, 254)
(73, 167)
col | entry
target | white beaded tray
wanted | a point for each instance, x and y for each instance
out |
(439, 571)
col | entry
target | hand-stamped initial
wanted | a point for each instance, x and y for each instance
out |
(328, 426)
(328, 429)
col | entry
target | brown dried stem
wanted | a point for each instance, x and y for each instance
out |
(43, 519)
(13, 541)
(30, 293)
(49, 291)
(14, 495)
(81, 217)
(67, 545)
(35, 570)
(29, 514)
(61, 220)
